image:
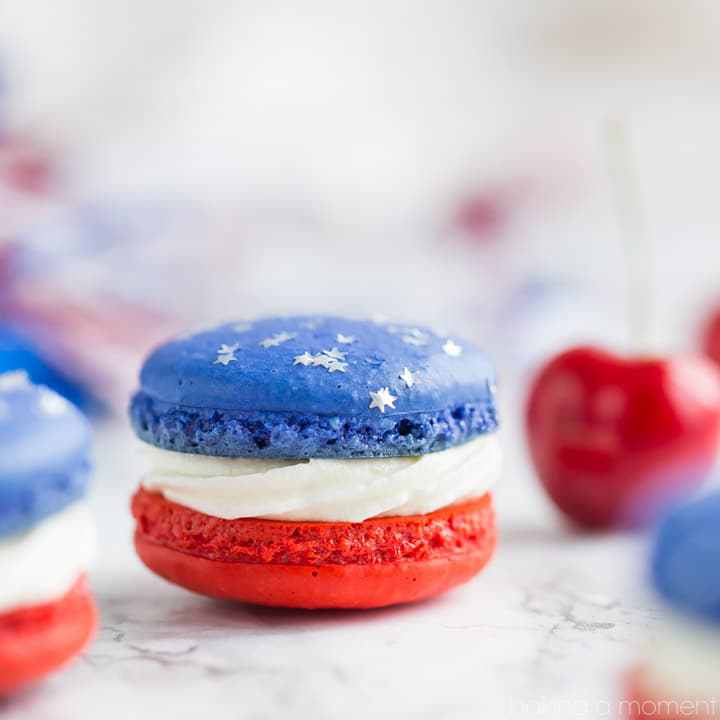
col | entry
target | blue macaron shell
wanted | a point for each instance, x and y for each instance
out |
(314, 387)
(18, 352)
(44, 449)
(686, 559)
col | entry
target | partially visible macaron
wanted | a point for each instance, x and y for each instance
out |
(680, 674)
(47, 537)
(317, 462)
(19, 352)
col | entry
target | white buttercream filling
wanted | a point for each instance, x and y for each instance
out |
(684, 661)
(42, 564)
(342, 490)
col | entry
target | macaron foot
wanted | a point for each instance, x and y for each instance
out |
(313, 587)
(441, 550)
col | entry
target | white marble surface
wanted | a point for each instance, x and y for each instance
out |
(546, 631)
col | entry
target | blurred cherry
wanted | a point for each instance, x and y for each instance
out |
(616, 440)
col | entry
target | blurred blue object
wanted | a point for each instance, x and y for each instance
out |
(129, 248)
(686, 559)
(18, 352)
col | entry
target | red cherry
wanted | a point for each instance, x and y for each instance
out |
(616, 440)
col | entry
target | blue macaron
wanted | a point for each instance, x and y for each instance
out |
(18, 352)
(44, 453)
(686, 559)
(297, 387)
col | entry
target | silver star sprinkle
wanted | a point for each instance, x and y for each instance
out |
(321, 360)
(277, 339)
(305, 359)
(330, 363)
(345, 339)
(382, 399)
(452, 349)
(335, 354)
(15, 380)
(337, 366)
(226, 354)
(407, 377)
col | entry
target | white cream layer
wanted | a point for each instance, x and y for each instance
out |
(42, 564)
(684, 661)
(349, 490)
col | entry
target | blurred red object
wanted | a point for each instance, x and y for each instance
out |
(483, 215)
(25, 167)
(644, 701)
(616, 440)
(480, 217)
(710, 340)
(7, 258)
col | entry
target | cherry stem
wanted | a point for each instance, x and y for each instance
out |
(637, 245)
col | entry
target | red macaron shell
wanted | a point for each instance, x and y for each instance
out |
(382, 561)
(37, 639)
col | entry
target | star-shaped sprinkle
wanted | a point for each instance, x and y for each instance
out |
(407, 377)
(335, 354)
(382, 399)
(337, 366)
(330, 363)
(345, 339)
(226, 354)
(277, 339)
(305, 359)
(321, 360)
(452, 349)
(15, 380)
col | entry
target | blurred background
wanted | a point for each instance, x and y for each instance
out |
(167, 164)
(526, 174)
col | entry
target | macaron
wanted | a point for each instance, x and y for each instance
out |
(47, 536)
(19, 352)
(316, 462)
(680, 674)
